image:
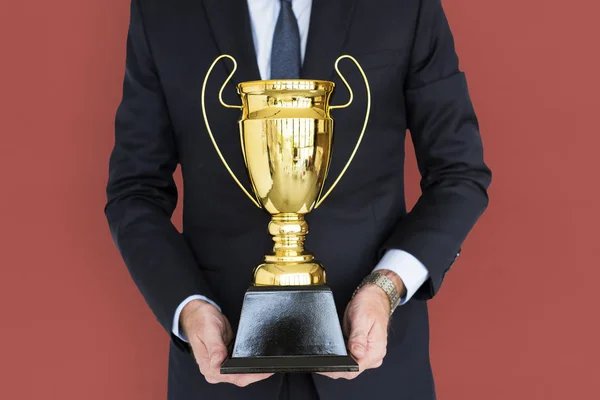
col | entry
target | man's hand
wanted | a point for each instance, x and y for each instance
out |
(366, 324)
(209, 334)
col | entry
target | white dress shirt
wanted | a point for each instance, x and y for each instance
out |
(263, 18)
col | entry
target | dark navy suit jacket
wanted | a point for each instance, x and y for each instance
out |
(407, 50)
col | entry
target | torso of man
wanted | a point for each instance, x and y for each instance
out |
(407, 52)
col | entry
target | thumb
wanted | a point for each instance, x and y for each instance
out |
(357, 341)
(216, 351)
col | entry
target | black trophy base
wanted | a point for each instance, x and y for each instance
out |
(289, 329)
(253, 365)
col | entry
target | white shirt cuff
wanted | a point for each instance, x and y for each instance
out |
(176, 331)
(412, 272)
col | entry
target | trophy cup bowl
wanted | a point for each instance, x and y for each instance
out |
(288, 321)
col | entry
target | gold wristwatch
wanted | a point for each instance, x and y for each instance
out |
(386, 284)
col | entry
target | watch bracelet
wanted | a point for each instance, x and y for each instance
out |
(385, 284)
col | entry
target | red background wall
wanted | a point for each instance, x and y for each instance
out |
(517, 317)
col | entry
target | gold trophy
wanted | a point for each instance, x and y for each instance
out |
(288, 321)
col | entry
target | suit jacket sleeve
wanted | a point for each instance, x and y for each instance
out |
(445, 133)
(141, 191)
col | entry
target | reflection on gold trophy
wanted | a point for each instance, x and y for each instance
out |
(288, 322)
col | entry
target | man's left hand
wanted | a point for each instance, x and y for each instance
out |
(366, 326)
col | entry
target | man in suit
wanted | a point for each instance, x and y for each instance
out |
(195, 281)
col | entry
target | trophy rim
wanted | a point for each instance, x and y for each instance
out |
(284, 84)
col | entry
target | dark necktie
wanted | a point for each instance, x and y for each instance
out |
(285, 53)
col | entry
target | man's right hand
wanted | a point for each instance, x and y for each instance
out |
(209, 334)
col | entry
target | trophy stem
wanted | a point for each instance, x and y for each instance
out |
(290, 264)
(289, 231)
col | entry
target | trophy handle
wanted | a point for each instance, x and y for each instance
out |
(360, 137)
(212, 138)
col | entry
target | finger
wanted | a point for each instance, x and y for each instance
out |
(357, 340)
(199, 350)
(374, 357)
(346, 321)
(248, 379)
(340, 375)
(377, 339)
(203, 361)
(227, 333)
(217, 356)
(217, 351)
(240, 380)
(376, 347)
(216, 377)
(332, 375)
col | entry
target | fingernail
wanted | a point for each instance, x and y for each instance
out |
(358, 348)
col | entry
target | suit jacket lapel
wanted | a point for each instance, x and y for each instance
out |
(329, 22)
(230, 23)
